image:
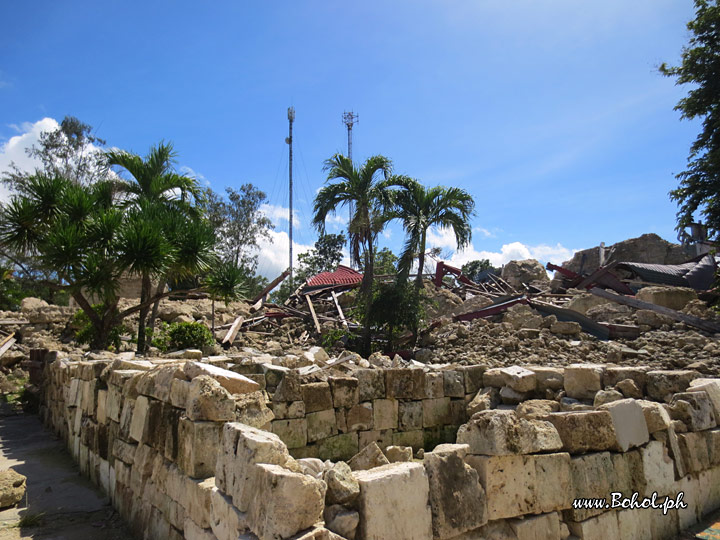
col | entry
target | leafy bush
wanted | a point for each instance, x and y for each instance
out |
(85, 332)
(189, 335)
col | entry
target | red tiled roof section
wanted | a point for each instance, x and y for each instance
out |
(343, 275)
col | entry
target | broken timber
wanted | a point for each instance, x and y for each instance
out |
(274, 283)
(230, 336)
(6, 343)
(312, 312)
(697, 322)
(339, 309)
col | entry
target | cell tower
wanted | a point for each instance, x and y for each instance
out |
(289, 141)
(349, 119)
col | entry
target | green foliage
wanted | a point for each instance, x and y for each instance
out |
(396, 306)
(699, 189)
(475, 270)
(331, 337)
(160, 337)
(86, 332)
(226, 282)
(189, 335)
(385, 262)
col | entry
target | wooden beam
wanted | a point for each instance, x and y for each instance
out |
(312, 312)
(6, 343)
(274, 283)
(697, 322)
(230, 336)
(339, 309)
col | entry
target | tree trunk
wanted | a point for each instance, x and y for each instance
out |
(213, 316)
(156, 305)
(144, 295)
(367, 283)
(421, 261)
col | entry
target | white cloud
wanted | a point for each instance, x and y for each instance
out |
(14, 150)
(273, 254)
(486, 233)
(188, 171)
(279, 213)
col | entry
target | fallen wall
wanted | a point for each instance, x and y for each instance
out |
(184, 449)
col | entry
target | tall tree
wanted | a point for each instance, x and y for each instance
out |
(420, 208)
(475, 270)
(366, 190)
(699, 189)
(164, 198)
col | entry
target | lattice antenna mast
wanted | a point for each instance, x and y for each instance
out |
(289, 141)
(349, 119)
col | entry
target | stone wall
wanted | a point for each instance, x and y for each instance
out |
(184, 449)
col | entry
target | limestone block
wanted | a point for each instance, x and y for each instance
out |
(591, 477)
(369, 457)
(473, 376)
(457, 501)
(285, 502)
(371, 384)
(453, 384)
(582, 381)
(615, 374)
(664, 527)
(694, 451)
(294, 433)
(656, 417)
(537, 408)
(606, 396)
(385, 414)
(584, 430)
(436, 412)
(694, 409)
(414, 439)
(163, 381)
(509, 483)
(344, 391)
(289, 388)
(317, 397)
(198, 500)
(628, 422)
(342, 521)
(101, 411)
(434, 385)
(405, 383)
(657, 468)
(485, 399)
(12, 488)
(601, 527)
(630, 389)
(519, 378)
(670, 297)
(208, 400)
(634, 524)
(503, 432)
(661, 384)
(553, 481)
(398, 454)
(410, 415)
(494, 377)
(382, 438)
(712, 388)
(252, 409)
(145, 419)
(548, 378)
(393, 503)
(226, 521)
(124, 451)
(342, 486)
(342, 446)
(192, 531)
(321, 424)
(542, 527)
(198, 447)
(231, 381)
(114, 403)
(360, 417)
(713, 443)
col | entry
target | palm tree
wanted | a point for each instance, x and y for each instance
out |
(420, 208)
(157, 187)
(366, 190)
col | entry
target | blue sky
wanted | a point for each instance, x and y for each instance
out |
(551, 114)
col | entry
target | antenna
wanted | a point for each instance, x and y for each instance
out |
(289, 141)
(350, 119)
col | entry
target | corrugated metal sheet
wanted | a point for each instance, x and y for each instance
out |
(343, 275)
(698, 275)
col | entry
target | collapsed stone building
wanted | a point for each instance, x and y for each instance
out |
(493, 429)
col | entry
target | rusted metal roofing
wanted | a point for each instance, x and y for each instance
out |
(343, 275)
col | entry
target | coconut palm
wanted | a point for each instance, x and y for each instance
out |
(365, 189)
(154, 188)
(420, 208)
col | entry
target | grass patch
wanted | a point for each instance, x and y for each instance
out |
(31, 519)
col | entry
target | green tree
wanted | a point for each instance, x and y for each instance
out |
(699, 189)
(474, 269)
(366, 190)
(165, 200)
(226, 283)
(385, 262)
(420, 208)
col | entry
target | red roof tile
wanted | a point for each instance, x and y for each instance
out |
(343, 275)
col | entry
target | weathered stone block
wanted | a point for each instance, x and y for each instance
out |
(405, 383)
(519, 378)
(385, 414)
(581, 381)
(344, 391)
(371, 384)
(694, 451)
(339, 447)
(453, 384)
(436, 412)
(585, 430)
(369, 457)
(548, 378)
(360, 417)
(600, 527)
(415, 439)
(317, 397)
(198, 447)
(410, 415)
(694, 409)
(628, 422)
(232, 382)
(226, 522)
(393, 503)
(321, 424)
(457, 501)
(553, 481)
(383, 438)
(503, 432)
(294, 433)
(473, 376)
(434, 385)
(509, 483)
(661, 384)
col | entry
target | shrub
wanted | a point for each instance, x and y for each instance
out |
(86, 331)
(190, 335)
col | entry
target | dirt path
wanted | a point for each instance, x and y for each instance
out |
(60, 504)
